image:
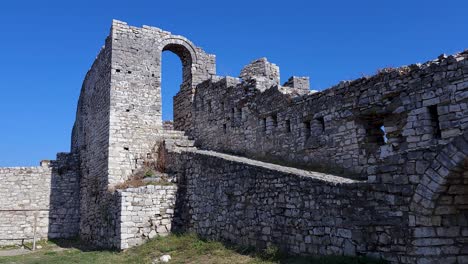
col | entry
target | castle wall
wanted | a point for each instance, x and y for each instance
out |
(146, 212)
(135, 112)
(46, 197)
(90, 140)
(252, 203)
(339, 129)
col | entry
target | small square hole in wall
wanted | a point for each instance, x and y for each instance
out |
(126, 148)
(129, 72)
(152, 75)
(375, 132)
(118, 70)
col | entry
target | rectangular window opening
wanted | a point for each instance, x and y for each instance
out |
(321, 120)
(288, 126)
(210, 110)
(274, 119)
(306, 128)
(224, 128)
(434, 114)
(264, 127)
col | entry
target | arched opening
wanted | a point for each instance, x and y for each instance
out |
(171, 79)
(176, 78)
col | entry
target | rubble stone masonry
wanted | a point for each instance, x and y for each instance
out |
(375, 166)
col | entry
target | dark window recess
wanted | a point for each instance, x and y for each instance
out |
(224, 128)
(129, 72)
(222, 106)
(118, 70)
(376, 132)
(239, 114)
(127, 110)
(152, 75)
(209, 107)
(274, 119)
(435, 121)
(288, 126)
(264, 128)
(322, 123)
(306, 128)
(126, 148)
(317, 126)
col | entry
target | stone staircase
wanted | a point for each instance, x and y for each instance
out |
(177, 141)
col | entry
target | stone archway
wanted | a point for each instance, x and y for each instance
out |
(182, 103)
(439, 207)
(450, 160)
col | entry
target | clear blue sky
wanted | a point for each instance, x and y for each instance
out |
(46, 47)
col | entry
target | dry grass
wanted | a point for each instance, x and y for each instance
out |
(185, 248)
(153, 165)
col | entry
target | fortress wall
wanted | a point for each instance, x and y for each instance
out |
(338, 129)
(246, 203)
(90, 140)
(45, 196)
(26, 192)
(135, 110)
(146, 212)
(251, 205)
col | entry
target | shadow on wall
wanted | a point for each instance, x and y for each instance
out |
(64, 210)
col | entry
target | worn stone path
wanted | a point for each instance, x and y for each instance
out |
(312, 174)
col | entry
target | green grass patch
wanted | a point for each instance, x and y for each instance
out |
(185, 248)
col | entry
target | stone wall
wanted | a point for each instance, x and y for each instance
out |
(90, 140)
(338, 129)
(135, 113)
(145, 212)
(259, 204)
(46, 197)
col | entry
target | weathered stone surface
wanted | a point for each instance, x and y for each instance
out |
(374, 166)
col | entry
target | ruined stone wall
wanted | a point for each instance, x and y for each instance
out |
(90, 140)
(45, 196)
(146, 212)
(135, 113)
(259, 204)
(338, 129)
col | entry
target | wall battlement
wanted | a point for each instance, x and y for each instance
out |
(388, 155)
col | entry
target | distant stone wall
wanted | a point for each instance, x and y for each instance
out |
(45, 196)
(338, 129)
(145, 212)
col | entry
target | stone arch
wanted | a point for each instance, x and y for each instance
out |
(450, 160)
(187, 54)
